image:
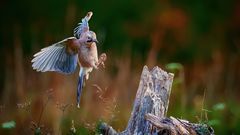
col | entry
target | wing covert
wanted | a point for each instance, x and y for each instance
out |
(56, 58)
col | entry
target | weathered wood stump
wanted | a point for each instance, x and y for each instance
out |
(150, 108)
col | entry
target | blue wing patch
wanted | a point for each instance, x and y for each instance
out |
(82, 26)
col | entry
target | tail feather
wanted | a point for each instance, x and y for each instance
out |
(80, 87)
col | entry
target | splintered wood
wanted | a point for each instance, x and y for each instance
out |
(150, 109)
(152, 97)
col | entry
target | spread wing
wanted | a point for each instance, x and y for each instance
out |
(60, 57)
(82, 26)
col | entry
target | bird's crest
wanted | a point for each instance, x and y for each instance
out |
(83, 26)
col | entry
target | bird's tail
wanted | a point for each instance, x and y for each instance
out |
(80, 86)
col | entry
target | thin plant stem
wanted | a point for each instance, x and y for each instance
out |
(43, 108)
(204, 94)
(59, 131)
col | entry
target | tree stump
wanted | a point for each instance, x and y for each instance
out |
(150, 108)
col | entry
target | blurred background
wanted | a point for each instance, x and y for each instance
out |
(197, 40)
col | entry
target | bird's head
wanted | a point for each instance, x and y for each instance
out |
(89, 38)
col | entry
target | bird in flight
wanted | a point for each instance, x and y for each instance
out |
(64, 56)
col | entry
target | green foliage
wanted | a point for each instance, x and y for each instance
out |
(98, 127)
(177, 81)
(82, 131)
(213, 122)
(218, 107)
(37, 131)
(9, 125)
(174, 66)
(216, 110)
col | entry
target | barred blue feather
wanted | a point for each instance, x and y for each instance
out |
(80, 86)
(82, 26)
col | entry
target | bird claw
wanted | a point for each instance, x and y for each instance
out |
(103, 57)
(103, 65)
(101, 60)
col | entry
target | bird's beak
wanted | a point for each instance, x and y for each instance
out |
(95, 40)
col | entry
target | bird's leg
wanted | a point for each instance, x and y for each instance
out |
(101, 60)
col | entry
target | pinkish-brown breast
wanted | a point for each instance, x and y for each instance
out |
(87, 55)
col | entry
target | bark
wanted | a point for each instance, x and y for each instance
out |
(150, 109)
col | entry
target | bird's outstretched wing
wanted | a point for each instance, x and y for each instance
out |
(82, 26)
(57, 57)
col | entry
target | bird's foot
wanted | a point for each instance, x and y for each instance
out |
(101, 60)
